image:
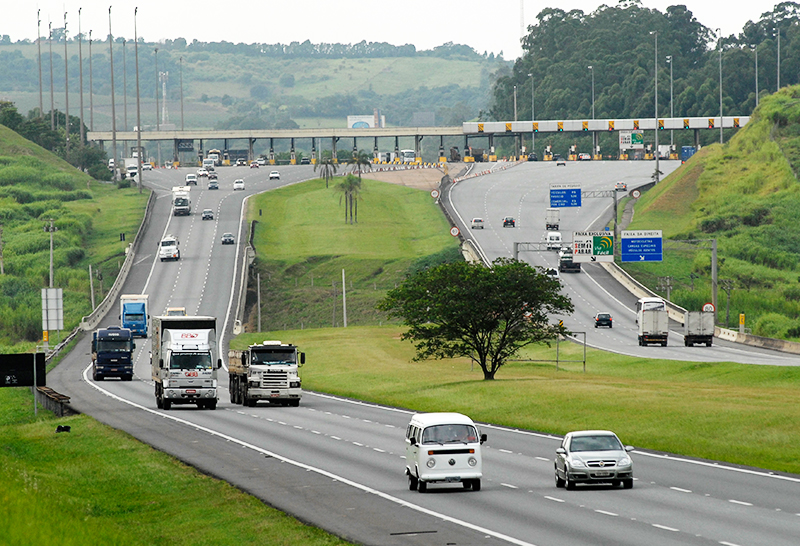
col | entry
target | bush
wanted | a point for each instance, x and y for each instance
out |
(773, 325)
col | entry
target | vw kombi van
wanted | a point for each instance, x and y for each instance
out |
(443, 448)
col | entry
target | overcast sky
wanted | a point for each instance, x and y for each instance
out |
(486, 26)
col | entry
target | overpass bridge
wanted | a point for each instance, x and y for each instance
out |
(184, 141)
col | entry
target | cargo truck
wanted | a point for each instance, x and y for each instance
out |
(652, 321)
(565, 262)
(181, 203)
(551, 219)
(133, 311)
(698, 328)
(112, 348)
(268, 372)
(184, 361)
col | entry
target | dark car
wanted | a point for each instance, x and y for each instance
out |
(603, 319)
(508, 221)
(227, 239)
(532, 157)
(208, 214)
(212, 175)
(213, 185)
(305, 161)
(559, 160)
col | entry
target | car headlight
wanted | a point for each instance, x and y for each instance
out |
(431, 463)
(625, 461)
(472, 461)
(575, 463)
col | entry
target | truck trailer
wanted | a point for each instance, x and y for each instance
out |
(698, 328)
(181, 203)
(184, 361)
(268, 371)
(551, 219)
(133, 313)
(112, 348)
(653, 327)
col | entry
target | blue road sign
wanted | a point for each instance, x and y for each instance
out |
(641, 246)
(565, 195)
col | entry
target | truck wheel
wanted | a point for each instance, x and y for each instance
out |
(212, 405)
(127, 378)
(708, 344)
(664, 343)
(294, 403)
(97, 377)
(422, 486)
(412, 483)
(476, 485)
(166, 404)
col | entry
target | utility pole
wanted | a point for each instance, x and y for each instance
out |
(39, 47)
(91, 86)
(138, 105)
(113, 109)
(66, 91)
(52, 98)
(52, 229)
(80, 71)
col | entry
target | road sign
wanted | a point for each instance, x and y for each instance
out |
(592, 246)
(708, 308)
(641, 246)
(565, 195)
(434, 193)
(636, 194)
(454, 231)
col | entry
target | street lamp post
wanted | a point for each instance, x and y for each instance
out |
(181, 74)
(516, 138)
(52, 98)
(91, 86)
(39, 46)
(80, 72)
(533, 112)
(66, 92)
(655, 67)
(591, 67)
(719, 45)
(113, 106)
(671, 108)
(756, 51)
(158, 128)
(138, 108)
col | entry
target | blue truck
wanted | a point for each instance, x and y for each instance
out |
(112, 349)
(133, 313)
(687, 152)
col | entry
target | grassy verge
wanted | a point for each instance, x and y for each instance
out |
(721, 411)
(304, 245)
(96, 485)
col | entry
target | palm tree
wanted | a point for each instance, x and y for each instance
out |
(350, 187)
(360, 162)
(327, 167)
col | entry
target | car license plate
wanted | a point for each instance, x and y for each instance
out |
(191, 391)
(602, 474)
(453, 479)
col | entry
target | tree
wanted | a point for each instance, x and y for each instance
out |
(360, 162)
(350, 187)
(484, 314)
(326, 166)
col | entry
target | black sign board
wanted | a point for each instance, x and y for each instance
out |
(17, 370)
(185, 145)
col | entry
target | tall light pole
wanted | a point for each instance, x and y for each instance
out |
(138, 106)
(158, 128)
(756, 51)
(80, 73)
(719, 45)
(533, 111)
(779, 60)
(39, 46)
(516, 139)
(52, 98)
(671, 109)
(182, 94)
(124, 86)
(591, 67)
(113, 106)
(655, 69)
(66, 92)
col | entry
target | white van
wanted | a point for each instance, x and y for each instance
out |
(554, 240)
(443, 448)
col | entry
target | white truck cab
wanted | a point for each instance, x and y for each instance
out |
(168, 248)
(553, 240)
(443, 448)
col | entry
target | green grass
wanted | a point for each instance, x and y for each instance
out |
(722, 411)
(304, 244)
(96, 485)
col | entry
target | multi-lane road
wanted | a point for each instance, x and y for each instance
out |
(339, 463)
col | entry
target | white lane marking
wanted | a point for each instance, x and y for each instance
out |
(607, 513)
(554, 499)
(505, 451)
(545, 459)
(734, 501)
(379, 450)
(673, 458)
(681, 490)
(358, 444)
(509, 486)
(335, 438)
(665, 528)
(724, 543)
(309, 468)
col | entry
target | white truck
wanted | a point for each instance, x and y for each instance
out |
(652, 320)
(131, 167)
(698, 328)
(181, 203)
(168, 248)
(134, 313)
(268, 372)
(551, 219)
(184, 361)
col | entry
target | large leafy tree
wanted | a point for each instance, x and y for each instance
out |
(484, 314)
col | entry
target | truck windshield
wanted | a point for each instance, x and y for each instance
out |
(181, 201)
(190, 361)
(113, 346)
(286, 357)
(167, 242)
(134, 317)
(449, 434)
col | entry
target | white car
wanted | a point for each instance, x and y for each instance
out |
(238, 184)
(191, 179)
(593, 456)
(477, 223)
(274, 175)
(202, 172)
(147, 166)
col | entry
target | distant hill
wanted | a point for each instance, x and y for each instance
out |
(260, 85)
(746, 195)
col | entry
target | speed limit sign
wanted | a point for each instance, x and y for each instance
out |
(708, 308)
(636, 194)
(434, 193)
(454, 231)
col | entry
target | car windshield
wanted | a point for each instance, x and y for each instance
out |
(113, 346)
(449, 434)
(190, 361)
(599, 442)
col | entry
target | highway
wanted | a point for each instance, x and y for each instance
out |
(338, 463)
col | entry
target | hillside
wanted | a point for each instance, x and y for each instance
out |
(36, 186)
(746, 195)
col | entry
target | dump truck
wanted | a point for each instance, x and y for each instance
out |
(268, 371)
(133, 313)
(112, 348)
(551, 219)
(184, 361)
(698, 328)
